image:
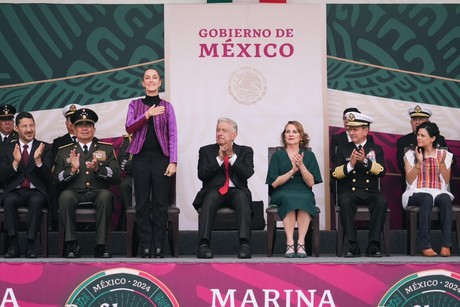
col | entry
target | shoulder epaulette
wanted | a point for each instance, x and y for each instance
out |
(64, 146)
(105, 143)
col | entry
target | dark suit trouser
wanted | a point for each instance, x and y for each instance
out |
(103, 202)
(235, 198)
(126, 193)
(425, 202)
(377, 209)
(151, 189)
(30, 198)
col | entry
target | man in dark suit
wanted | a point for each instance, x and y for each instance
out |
(357, 168)
(418, 115)
(224, 168)
(70, 136)
(25, 166)
(84, 171)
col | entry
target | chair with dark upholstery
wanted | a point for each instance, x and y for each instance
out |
(312, 238)
(132, 242)
(23, 213)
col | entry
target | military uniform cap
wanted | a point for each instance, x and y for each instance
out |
(358, 119)
(7, 112)
(84, 115)
(70, 109)
(418, 111)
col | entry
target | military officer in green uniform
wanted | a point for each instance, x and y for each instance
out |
(84, 172)
(7, 133)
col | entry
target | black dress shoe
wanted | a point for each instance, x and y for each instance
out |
(13, 252)
(373, 251)
(353, 252)
(204, 252)
(101, 252)
(159, 253)
(146, 253)
(244, 252)
(30, 253)
(73, 250)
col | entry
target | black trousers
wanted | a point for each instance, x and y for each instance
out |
(235, 198)
(30, 198)
(151, 191)
(377, 209)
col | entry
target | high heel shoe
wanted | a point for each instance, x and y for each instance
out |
(429, 252)
(445, 251)
(159, 253)
(290, 251)
(301, 252)
(146, 253)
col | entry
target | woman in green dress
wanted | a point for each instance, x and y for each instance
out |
(291, 175)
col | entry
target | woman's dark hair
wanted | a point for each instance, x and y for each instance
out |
(305, 139)
(432, 129)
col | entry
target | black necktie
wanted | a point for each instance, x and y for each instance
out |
(4, 139)
(359, 147)
(74, 138)
(85, 149)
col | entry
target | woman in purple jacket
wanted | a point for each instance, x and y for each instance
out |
(152, 122)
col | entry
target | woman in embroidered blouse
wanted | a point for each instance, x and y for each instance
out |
(152, 122)
(427, 175)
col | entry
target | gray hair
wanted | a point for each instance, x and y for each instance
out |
(230, 121)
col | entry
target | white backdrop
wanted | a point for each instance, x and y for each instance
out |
(260, 82)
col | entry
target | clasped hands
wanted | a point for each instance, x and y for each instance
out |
(74, 159)
(357, 156)
(297, 161)
(226, 150)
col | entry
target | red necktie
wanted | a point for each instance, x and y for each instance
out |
(25, 159)
(224, 189)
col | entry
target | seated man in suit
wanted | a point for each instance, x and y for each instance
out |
(224, 168)
(357, 167)
(84, 171)
(418, 115)
(25, 166)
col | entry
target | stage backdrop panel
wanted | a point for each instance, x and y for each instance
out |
(260, 66)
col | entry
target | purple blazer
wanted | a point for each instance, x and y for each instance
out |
(165, 128)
